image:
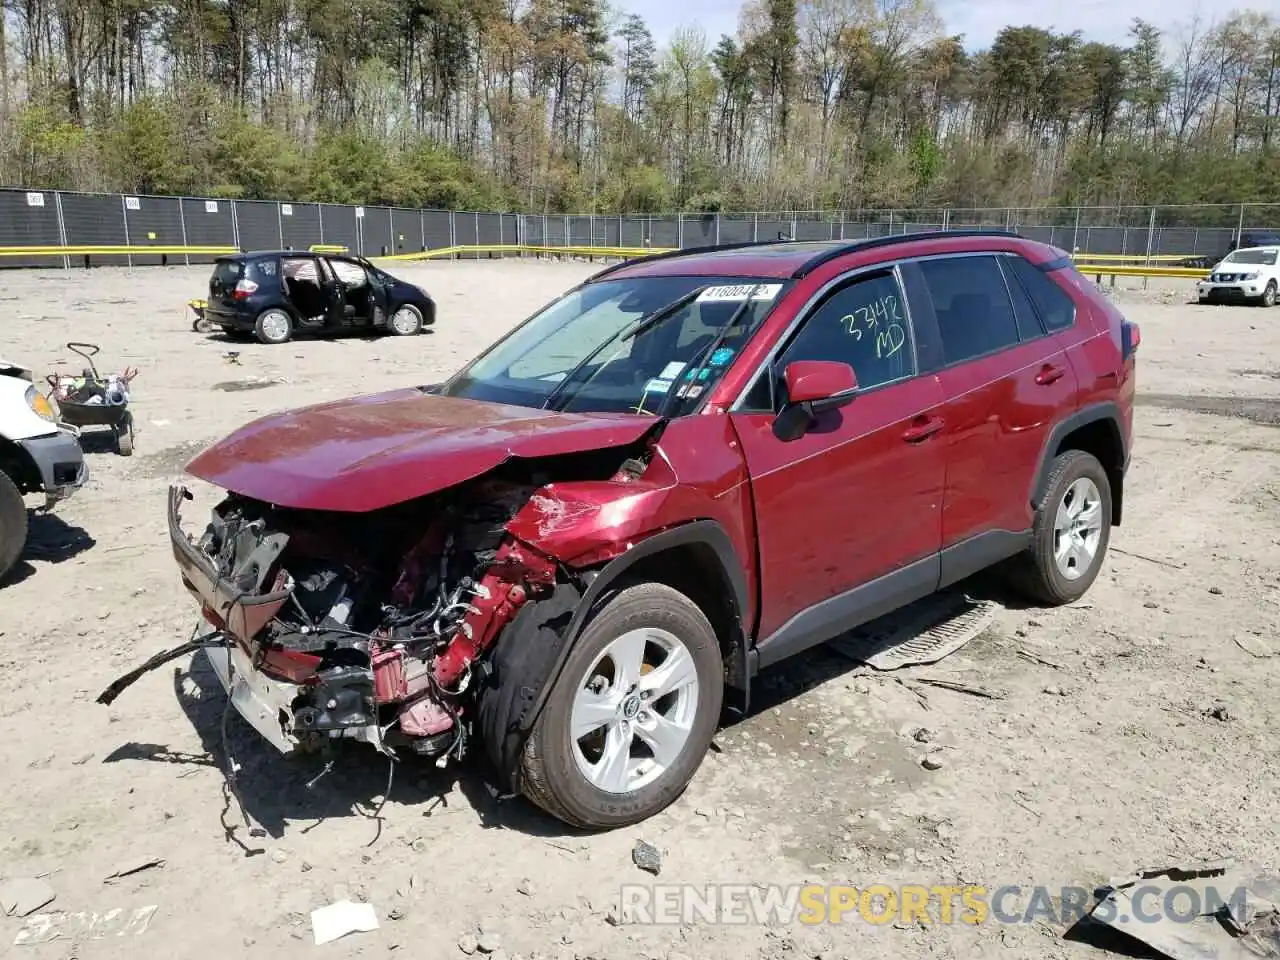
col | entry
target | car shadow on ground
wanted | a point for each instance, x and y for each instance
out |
(341, 336)
(279, 793)
(50, 539)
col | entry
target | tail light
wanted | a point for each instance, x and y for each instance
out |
(1130, 339)
(244, 290)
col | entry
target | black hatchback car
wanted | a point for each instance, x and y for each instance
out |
(274, 295)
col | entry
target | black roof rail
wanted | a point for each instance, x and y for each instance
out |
(872, 242)
(684, 252)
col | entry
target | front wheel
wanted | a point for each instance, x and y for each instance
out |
(631, 717)
(1071, 533)
(1269, 295)
(13, 524)
(406, 321)
(273, 326)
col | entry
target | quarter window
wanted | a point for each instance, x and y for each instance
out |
(975, 314)
(1057, 310)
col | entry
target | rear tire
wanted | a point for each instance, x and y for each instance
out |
(569, 777)
(13, 525)
(273, 326)
(1071, 533)
(124, 436)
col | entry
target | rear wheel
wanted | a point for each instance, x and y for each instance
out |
(1071, 533)
(1269, 295)
(406, 321)
(632, 715)
(273, 326)
(13, 524)
(124, 436)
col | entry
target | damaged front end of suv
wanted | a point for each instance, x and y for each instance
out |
(372, 626)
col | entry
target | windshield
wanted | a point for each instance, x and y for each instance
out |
(583, 352)
(1264, 257)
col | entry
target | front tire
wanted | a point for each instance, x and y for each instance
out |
(273, 326)
(406, 321)
(1071, 533)
(632, 714)
(1269, 295)
(13, 524)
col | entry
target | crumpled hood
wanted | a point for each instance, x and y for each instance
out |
(370, 452)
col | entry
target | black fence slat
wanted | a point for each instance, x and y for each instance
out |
(300, 224)
(338, 226)
(29, 219)
(95, 219)
(154, 222)
(207, 223)
(259, 225)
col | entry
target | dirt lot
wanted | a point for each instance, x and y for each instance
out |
(1108, 763)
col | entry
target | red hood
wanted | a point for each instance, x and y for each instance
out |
(369, 452)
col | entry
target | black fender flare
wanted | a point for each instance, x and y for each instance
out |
(1107, 410)
(529, 657)
(704, 532)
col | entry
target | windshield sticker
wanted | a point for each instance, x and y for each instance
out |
(689, 390)
(671, 370)
(657, 385)
(721, 356)
(739, 292)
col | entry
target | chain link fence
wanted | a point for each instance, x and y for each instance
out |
(57, 218)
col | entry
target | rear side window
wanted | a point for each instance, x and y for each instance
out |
(1057, 310)
(261, 268)
(975, 315)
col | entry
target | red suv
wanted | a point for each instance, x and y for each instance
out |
(679, 473)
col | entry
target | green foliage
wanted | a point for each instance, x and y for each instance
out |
(533, 105)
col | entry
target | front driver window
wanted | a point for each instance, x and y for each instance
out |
(862, 324)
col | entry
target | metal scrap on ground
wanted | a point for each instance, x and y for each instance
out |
(1212, 911)
(24, 895)
(922, 633)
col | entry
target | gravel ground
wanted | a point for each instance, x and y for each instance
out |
(1143, 738)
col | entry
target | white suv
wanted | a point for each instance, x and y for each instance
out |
(37, 455)
(1250, 274)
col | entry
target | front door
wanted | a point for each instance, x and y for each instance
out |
(848, 515)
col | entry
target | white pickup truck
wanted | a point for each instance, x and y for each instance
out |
(37, 455)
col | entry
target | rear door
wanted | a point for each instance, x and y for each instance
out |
(847, 516)
(1005, 381)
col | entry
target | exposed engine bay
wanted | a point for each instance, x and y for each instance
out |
(368, 626)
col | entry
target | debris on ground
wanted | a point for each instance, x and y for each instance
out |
(922, 633)
(1239, 914)
(341, 918)
(84, 925)
(647, 857)
(132, 867)
(1219, 711)
(931, 762)
(923, 735)
(1254, 646)
(468, 943)
(955, 687)
(25, 895)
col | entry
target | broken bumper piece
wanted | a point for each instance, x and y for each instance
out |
(266, 704)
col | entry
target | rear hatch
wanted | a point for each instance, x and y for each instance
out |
(222, 285)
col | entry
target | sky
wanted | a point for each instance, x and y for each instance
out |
(1106, 21)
